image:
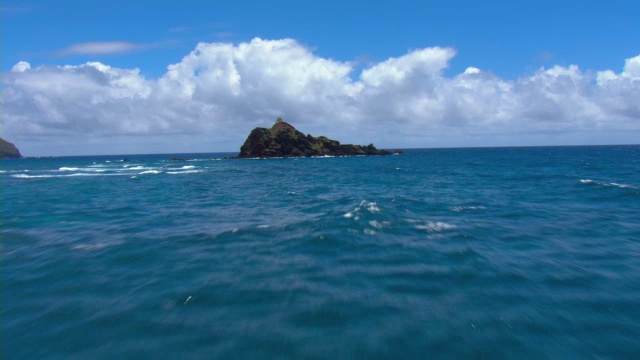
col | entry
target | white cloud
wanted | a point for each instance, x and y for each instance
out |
(22, 66)
(217, 93)
(472, 70)
(632, 68)
(100, 48)
(618, 95)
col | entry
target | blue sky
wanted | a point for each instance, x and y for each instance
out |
(507, 41)
(506, 37)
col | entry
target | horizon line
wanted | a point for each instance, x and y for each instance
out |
(387, 148)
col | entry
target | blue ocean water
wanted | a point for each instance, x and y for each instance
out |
(435, 253)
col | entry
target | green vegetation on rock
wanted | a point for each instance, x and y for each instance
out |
(8, 150)
(283, 140)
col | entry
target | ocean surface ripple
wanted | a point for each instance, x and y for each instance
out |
(496, 252)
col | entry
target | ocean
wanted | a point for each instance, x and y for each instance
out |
(527, 252)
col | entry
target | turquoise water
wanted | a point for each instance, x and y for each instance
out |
(500, 252)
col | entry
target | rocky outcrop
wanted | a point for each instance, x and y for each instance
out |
(8, 150)
(283, 140)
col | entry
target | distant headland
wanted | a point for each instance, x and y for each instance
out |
(8, 150)
(283, 140)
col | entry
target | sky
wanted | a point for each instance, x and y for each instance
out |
(138, 76)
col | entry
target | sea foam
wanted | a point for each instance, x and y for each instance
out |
(437, 226)
(364, 205)
(184, 172)
(602, 183)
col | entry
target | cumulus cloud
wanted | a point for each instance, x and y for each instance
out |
(217, 93)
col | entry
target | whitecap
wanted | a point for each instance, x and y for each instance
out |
(466, 208)
(622, 186)
(188, 167)
(150, 172)
(373, 207)
(69, 169)
(184, 172)
(436, 226)
(90, 174)
(25, 176)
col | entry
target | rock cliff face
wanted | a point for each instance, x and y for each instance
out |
(8, 150)
(283, 140)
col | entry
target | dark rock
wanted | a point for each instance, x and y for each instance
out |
(283, 140)
(8, 150)
(177, 159)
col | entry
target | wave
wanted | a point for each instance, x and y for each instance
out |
(466, 208)
(371, 207)
(90, 168)
(98, 246)
(184, 172)
(25, 176)
(150, 172)
(437, 226)
(602, 183)
(187, 167)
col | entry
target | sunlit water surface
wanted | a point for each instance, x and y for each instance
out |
(503, 252)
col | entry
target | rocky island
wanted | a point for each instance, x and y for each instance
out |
(8, 150)
(283, 140)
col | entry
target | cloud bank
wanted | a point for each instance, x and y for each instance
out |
(217, 93)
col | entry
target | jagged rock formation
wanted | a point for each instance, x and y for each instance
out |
(8, 150)
(283, 140)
